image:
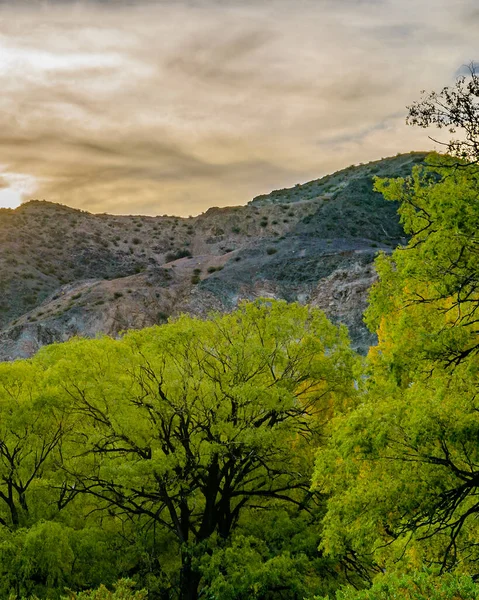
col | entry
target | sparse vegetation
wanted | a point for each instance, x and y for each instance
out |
(214, 269)
(177, 254)
(29, 276)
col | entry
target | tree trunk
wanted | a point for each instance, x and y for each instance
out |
(189, 578)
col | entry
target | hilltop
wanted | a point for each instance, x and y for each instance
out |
(66, 272)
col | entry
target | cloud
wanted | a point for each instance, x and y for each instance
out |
(173, 106)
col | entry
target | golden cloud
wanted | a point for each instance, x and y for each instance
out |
(172, 107)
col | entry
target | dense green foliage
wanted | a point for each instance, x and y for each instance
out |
(123, 590)
(416, 586)
(181, 455)
(402, 467)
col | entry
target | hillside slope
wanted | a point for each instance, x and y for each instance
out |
(65, 272)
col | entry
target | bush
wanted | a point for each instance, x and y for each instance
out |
(418, 586)
(271, 251)
(175, 255)
(123, 590)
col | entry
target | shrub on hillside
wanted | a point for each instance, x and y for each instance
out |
(175, 255)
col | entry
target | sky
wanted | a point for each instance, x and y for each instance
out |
(174, 106)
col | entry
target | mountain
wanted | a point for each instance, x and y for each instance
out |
(65, 272)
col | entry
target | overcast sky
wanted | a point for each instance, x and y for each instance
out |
(173, 106)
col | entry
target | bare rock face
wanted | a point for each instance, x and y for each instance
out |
(65, 273)
(343, 297)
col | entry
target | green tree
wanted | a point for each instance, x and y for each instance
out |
(187, 426)
(271, 554)
(33, 422)
(44, 541)
(435, 277)
(402, 467)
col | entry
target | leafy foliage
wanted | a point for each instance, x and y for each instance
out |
(417, 586)
(123, 590)
(156, 455)
(32, 425)
(435, 276)
(402, 467)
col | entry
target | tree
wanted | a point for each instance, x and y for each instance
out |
(44, 542)
(33, 423)
(272, 554)
(189, 425)
(455, 109)
(402, 468)
(437, 272)
(402, 471)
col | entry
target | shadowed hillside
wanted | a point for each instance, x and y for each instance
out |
(65, 272)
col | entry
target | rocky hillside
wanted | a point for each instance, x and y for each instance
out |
(65, 272)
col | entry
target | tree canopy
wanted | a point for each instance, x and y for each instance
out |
(189, 443)
(402, 468)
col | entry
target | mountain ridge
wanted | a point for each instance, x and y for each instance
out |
(65, 272)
